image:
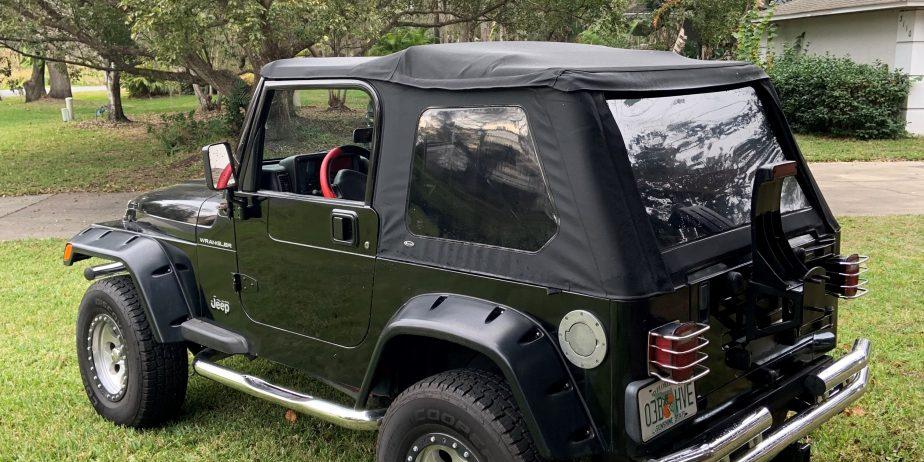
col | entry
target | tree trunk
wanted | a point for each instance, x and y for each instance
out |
(282, 112)
(680, 42)
(468, 32)
(336, 100)
(114, 88)
(204, 96)
(35, 86)
(224, 81)
(60, 81)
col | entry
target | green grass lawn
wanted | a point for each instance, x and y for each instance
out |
(39, 153)
(821, 149)
(44, 414)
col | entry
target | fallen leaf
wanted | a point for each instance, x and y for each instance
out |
(291, 416)
(856, 410)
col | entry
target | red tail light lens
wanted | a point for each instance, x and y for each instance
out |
(674, 352)
(844, 279)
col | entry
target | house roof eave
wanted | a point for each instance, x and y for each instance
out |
(853, 9)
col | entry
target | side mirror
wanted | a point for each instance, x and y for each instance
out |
(362, 136)
(219, 166)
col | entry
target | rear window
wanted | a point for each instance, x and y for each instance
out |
(476, 178)
(694, 158)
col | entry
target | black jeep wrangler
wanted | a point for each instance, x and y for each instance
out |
(499, 252)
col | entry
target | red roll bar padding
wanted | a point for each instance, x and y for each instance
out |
(326, 191)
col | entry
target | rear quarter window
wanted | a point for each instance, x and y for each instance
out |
(476, 178)
(694, 158)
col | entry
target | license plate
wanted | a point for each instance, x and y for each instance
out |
(662, 405)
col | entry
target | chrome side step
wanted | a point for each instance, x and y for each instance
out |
(325, 410)
(93, 272)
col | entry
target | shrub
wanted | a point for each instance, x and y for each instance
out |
(143, 87)
(836, 96)
(183, 132)
(233, 107)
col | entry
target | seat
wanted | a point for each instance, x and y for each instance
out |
(350, 184)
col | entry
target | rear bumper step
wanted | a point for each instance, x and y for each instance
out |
(843, 382)
(325, 410)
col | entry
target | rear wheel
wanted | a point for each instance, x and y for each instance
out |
(461, 415)
(130, 378)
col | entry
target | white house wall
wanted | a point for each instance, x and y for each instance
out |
(909, 56)
(864, 37)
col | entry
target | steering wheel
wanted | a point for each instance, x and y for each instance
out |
(345, 150)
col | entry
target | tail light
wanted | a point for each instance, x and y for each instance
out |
(844, 279)
(674, 352)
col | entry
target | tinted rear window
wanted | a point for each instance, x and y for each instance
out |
(476, 178)
(694, 158)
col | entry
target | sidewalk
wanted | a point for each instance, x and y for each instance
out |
(851, 188)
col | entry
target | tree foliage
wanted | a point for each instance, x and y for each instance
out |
(401, 38)
(754, 28)
(708, 25)
(613, 28)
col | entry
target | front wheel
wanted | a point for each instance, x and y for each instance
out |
(130, 378)
(463, 415)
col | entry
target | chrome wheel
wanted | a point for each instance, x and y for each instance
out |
(107, 356)
(439, 447)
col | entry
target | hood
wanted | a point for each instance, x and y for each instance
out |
(178, 209)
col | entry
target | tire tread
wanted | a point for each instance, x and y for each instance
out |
(489, 396)
(164, 366)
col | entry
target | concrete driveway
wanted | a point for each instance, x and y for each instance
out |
(57, 215)
(872, 188)
(851, 188)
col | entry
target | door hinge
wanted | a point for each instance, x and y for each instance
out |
(242, 282)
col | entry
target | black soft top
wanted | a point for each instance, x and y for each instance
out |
(604, 245)
(563, 66)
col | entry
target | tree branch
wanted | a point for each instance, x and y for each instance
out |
(176, 76)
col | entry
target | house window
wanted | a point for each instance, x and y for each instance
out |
(476, 178)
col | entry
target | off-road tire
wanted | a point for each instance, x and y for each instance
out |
(474, 408)
(156, 373)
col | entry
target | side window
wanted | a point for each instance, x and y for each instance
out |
(303, 121)
(301, 125)
(476, 178)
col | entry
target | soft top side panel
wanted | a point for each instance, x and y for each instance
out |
(596, 251)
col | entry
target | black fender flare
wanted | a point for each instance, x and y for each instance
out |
(162, 274)
(532, 364)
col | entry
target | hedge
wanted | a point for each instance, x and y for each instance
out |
(836, 96)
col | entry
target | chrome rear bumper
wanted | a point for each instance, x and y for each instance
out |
(837, 387)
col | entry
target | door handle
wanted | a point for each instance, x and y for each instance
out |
(343, 227)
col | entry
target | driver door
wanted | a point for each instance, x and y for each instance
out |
(305, 261)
